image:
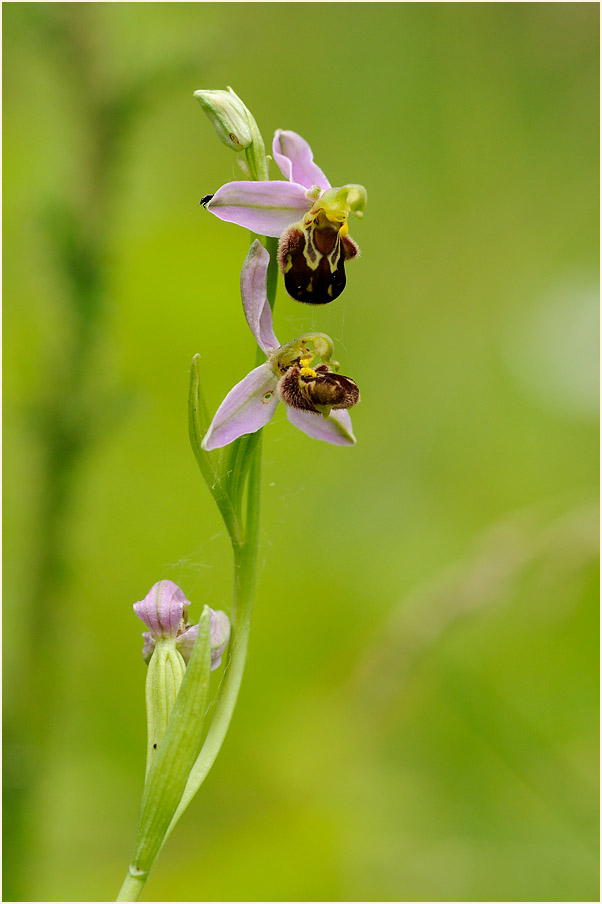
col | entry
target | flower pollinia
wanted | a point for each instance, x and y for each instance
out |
(315, 395)
(305, 213)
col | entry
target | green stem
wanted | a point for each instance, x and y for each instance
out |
(132, 887)
(245, 567)
(245, 562)
(246, 460)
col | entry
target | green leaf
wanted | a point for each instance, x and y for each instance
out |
(198, 424)
(211, 464)
(236, 467)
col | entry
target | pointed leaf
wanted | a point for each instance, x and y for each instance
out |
(210, 462)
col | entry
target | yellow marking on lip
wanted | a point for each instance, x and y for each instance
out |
(344, 229)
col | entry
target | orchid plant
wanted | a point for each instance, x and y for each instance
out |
(300, 226)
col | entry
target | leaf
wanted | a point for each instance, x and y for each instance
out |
(211, 464)
(198, 424)
(236, 466)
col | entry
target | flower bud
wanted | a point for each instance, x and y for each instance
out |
(165, 611)
(168, 645)
(229, 116)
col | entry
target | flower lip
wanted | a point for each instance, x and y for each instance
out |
(312, 258)
(317, 390)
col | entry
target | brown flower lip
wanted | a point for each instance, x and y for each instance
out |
(312, 260)
(317, 390)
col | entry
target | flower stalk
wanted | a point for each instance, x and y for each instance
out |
(300, 226)
(174, 778)
(245, 458)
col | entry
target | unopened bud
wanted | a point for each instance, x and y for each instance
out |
(229, 116)
(165, 611)
(168, 645)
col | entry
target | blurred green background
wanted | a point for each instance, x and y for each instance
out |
(419, 717)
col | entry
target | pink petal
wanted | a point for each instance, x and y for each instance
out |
(220, 635)
(336, 429)
(253, 281)
(163, 609)
(296, 160)
(246, 408)
(149, 646)
(267, 208)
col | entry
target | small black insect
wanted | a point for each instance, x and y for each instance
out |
(205, 200)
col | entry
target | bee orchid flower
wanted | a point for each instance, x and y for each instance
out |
(316, 397)
(305, 213)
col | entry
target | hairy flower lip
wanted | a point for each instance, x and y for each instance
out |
(312, 258)
(252, 403)
(318, 390)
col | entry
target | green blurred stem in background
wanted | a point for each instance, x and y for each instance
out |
(67, 420)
